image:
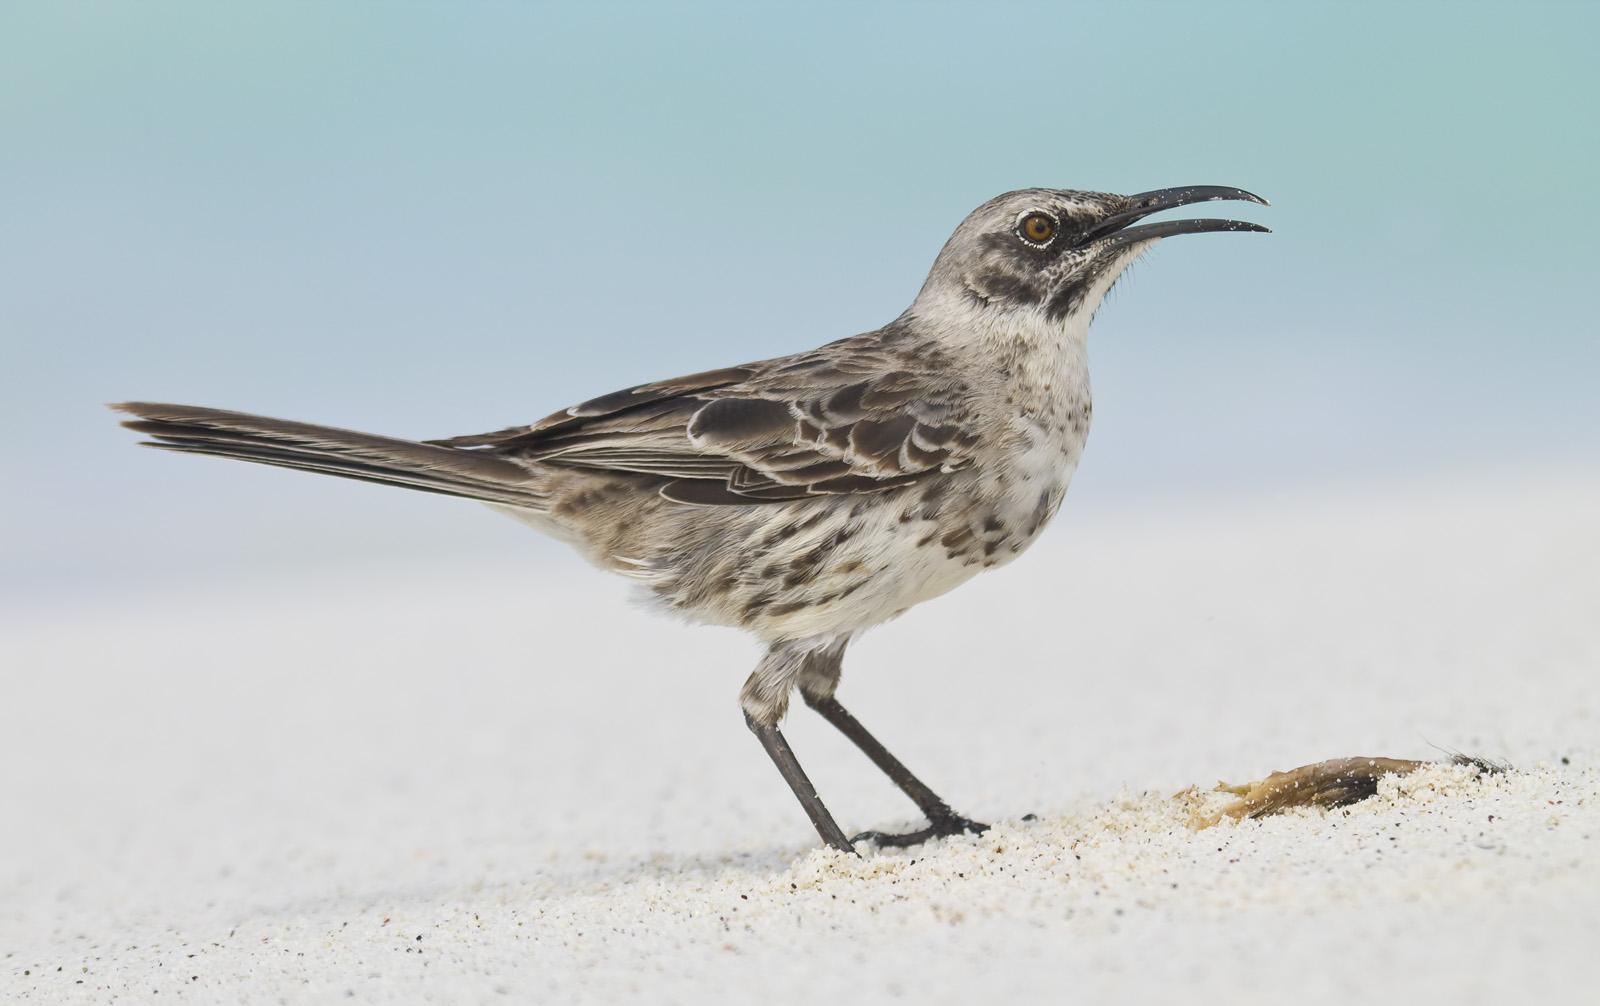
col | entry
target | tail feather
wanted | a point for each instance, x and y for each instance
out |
(467, 474)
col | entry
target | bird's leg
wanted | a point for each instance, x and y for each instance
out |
(941, 819)
(818, 680)
(765, 698)
(782, 755)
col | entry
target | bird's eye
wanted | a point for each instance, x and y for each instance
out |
(1037, 228)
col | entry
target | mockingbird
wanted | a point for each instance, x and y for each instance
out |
(809, 497)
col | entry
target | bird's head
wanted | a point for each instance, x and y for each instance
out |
(1053, 254)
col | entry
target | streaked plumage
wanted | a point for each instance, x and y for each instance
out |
(809, 497)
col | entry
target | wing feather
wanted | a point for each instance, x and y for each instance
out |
(845, 419)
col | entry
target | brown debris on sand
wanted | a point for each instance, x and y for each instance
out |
(1337, 782)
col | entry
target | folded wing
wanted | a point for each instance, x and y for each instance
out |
(824, 423)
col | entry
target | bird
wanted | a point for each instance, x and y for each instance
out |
(810, 497)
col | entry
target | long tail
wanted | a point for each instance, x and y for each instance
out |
(451, 471)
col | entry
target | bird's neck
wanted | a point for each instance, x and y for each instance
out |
(1033, 358)
(1045, 362)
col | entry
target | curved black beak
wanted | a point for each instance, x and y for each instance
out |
(1117, 229)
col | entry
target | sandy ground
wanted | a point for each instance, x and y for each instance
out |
(496, 780)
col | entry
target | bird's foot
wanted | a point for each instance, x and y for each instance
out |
(939, 826)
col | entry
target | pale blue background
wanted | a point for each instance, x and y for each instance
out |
(425, 219)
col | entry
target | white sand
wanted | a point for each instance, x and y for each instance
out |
(495, 781)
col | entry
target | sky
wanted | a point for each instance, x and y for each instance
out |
(424, 219)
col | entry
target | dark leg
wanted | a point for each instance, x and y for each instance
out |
(941, 819)
(783, 756)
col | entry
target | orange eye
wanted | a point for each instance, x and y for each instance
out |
(1037, 228)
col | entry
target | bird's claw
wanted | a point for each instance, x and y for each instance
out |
(939, 826)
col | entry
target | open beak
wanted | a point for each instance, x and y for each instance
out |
(1117, 229)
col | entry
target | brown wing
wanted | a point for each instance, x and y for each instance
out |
(843, 419)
